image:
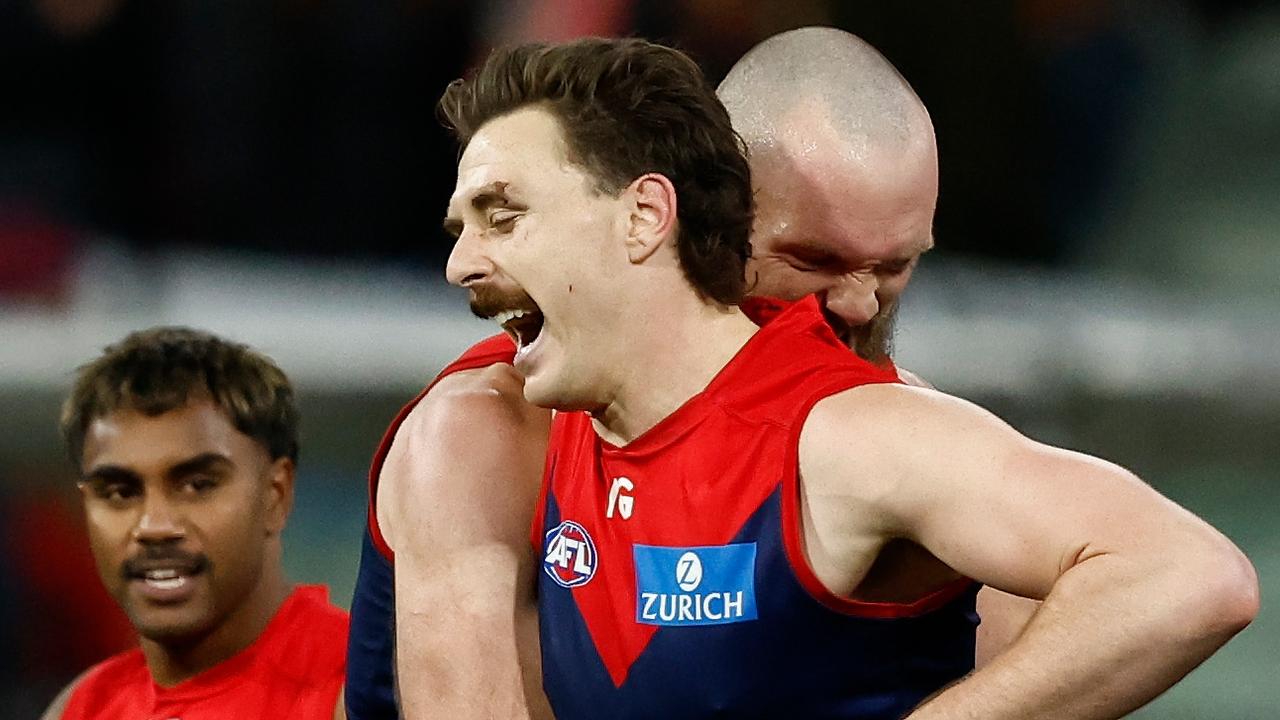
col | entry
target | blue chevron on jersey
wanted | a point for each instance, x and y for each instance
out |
(708, 585)
(704, 604)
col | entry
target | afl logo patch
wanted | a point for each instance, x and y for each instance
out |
(570, 555)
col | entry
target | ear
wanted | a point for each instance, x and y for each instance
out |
(653, 215)
(278, 494)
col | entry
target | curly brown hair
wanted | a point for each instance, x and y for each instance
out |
(628, 107)
(161, 369)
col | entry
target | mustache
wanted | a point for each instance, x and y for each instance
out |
(487, 301)
(163, 556)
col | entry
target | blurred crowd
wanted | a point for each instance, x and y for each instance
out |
(307, 127)
(300, 126)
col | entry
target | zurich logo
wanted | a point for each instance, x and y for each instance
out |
(707, 585)
(688, 572)
(570, 557)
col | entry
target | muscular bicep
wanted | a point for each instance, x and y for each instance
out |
(987, 501)
(462, 480)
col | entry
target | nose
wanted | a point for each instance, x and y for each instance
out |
(159, 522)
(467, 262)
(853, 299)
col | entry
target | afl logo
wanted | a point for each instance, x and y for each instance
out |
(570, 557)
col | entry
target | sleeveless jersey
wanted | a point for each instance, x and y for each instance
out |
(674, 583)
(370, 691)
(294, 670)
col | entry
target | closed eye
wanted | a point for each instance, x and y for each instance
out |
(896, 267)
(503, 221)
(815, 262)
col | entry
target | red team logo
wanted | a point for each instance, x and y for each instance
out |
(570, 557)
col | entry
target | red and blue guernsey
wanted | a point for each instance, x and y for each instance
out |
(370, 685)
(673, 581)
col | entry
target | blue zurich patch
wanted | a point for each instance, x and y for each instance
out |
(710, 585)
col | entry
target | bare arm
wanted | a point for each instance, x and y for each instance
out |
(1003, 618)
(455, 501)
(1004, 615)
(1137, 590)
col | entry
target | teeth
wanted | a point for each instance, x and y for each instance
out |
(507, 316)
(161, 574)
(169, 584)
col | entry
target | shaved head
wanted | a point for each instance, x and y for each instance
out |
(815, 79)
(845, 170)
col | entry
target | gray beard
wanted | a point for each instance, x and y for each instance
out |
(874, 341)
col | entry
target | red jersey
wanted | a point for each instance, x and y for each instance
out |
(293, 670)
(674, 583)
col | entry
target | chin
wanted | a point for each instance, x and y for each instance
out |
(172, 629)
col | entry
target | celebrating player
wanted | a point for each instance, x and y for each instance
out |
(798, 530)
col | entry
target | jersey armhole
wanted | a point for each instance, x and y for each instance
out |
(793, 542)
(540, 510)
(492, 350)
(375, 474)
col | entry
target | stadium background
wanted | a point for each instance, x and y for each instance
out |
(1106, 272)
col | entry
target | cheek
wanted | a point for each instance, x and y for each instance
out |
(891, 288)
(233, 531)
(108, 542)
(803, 282)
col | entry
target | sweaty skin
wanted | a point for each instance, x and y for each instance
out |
(1137, 590)
(455, 502)
(845, 171)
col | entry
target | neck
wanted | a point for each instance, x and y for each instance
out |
(682, 353)
(174, 661)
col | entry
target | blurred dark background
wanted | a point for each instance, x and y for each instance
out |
(273, 170)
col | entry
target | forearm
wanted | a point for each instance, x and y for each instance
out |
(1111, 636)
(462, 645)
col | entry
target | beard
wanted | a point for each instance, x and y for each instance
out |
(872, 342)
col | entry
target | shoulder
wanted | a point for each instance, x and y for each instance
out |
(311, 646)
(880, 438)
(472, 443)
(892, 413)
(109, 679)
(465, 400)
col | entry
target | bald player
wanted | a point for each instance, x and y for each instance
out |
(764, 480)
(845, 209)
(844, 165)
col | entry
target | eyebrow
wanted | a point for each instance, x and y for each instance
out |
(492, 195)
(204, 462)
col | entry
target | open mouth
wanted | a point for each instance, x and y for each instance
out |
(165, 580)
(524, 325)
